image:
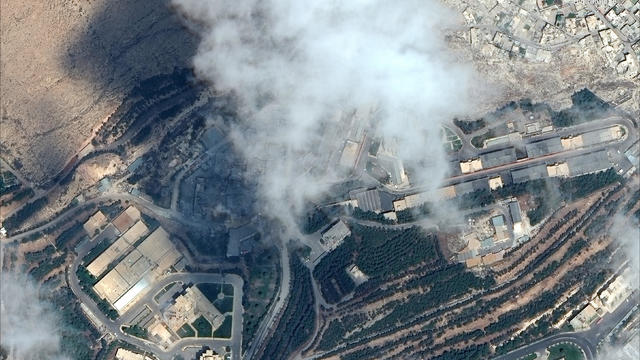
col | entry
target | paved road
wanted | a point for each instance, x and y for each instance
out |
(587, 340)
(113, 327)
(268, 323)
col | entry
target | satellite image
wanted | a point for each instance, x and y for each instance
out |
(319, 179)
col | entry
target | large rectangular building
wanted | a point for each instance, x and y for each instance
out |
(529, 173)
(544, 147)
(497, 158)
(589, 163)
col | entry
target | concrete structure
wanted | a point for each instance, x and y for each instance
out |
(584, 318)
(210, 355)
(495, 182)
(529, 173)
(558, 170)
(133, 275)
(333, 237)
(589, 163)
(617, 291)
(136, 232)
(544, 147)
(124, 354)
(189, 306)
(470, 166)
(497, 158)
(572, 142)
(126, 219)
(93, 225)
(349, 154)
(374, 200)
(516, 216)
(237, 236)
(356, 274)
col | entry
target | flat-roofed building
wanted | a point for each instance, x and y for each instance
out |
(617, 291)
(516, 216)
(544, 147)
(131, 277)
(210, 355)
(572, 142)
(113, 252)
(584, 318)
(589, 163)
(602, 136)
(374, 200)
(187, 307)
(495, 182)
(136, 232)
(126, 219)
(558, 170)
(158, 248)
(529, 173)
(349, 154)
(470, 166)
(334, 236)
(93, 225)
(133, 266)
(497, 158)
(124, 354)
(492, 258)
(448, 192)
(473, 262)
(471, 186)
(111, 287)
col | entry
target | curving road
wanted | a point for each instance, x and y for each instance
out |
(587, 340)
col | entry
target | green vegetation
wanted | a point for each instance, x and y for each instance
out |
(86, 281)
(14, 221)
(19, 195)
(96, 251)
(225, 304)
(452, 141)
(224, 331)
(202, 326)
(112, 210)
(297, 322)
(8, 182)
(565, 351)
(36, 256)
(586, 106)
(220, 295)
(69, 234)
(596, 226)
(468, 127)
(46, 266)
(186, 331)
(76, 332)
(369, 215)
(377, 252)
(531, 356)
(259, 290)
(204, 243)
(137, 331)
(478, 140)
(314, 221)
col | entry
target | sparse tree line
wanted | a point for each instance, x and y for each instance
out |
(297, 321)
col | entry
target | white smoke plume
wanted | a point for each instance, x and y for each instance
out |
(299, 68)
(28, 325)
(625, 230)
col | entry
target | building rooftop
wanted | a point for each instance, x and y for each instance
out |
(374, 200)
(529, 173)
(497, 158)
(589, 163)
(514, 211)
(544, 147)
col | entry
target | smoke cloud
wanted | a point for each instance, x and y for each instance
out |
(301, 69)
(28, 325)
(625, 230)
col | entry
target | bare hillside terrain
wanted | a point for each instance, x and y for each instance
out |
(66, 65)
